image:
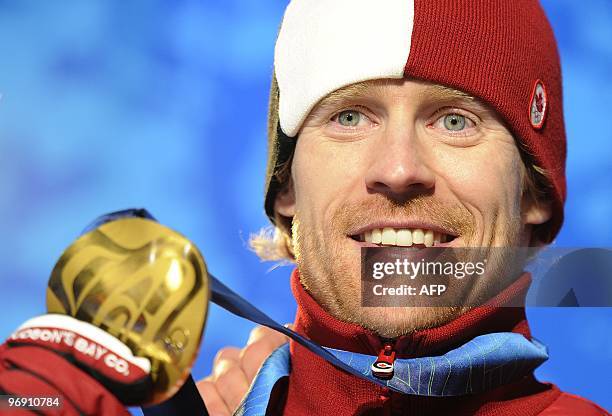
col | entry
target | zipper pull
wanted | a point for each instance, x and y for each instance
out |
(383, 367)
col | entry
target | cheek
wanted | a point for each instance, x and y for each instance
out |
(485, 178)
(324, 173)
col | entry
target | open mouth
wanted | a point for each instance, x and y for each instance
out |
(404, 237)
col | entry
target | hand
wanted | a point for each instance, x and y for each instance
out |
(234, 369)
(89, 370)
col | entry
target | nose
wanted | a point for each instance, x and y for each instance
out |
(400, 164)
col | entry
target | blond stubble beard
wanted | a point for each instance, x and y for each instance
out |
(333, 279)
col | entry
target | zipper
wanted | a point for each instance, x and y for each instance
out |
(384, 366)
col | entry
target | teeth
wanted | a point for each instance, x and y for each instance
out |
(376, 236)
(403, 237)
(428, 240)
(418, 236)
(388, 236)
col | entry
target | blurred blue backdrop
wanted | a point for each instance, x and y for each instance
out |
(162, 104)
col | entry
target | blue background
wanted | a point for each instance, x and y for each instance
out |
(162, 104)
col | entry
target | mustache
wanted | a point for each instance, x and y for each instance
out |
(456, 218)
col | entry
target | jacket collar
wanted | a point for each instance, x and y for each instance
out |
(318, 325)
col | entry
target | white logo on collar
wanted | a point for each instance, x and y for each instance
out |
(538, 105)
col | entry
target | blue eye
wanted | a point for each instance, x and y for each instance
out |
(349, 118)
(454, 122)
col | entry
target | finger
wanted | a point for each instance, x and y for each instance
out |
(253, 356)
(212, 399)
(262, 342)
(228, 354)
(231, 383)
(267, 335)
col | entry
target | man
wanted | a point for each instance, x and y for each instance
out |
(425, 123)
(407, 123)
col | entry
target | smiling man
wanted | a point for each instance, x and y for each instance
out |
(413, 124)
(401, 163)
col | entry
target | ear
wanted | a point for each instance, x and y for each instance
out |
(535, 212)
(284, 203)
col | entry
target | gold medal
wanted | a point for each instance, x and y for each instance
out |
(143, 283)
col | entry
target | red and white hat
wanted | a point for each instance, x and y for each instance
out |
(500, 51)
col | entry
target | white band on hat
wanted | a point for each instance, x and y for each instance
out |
(324, 45)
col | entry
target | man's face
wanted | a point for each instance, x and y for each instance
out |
(399, 162)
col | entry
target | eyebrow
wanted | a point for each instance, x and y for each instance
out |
(441, 93)
(361, 89)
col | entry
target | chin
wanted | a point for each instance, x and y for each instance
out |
(393, 322)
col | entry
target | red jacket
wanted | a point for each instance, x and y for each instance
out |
(316, 387)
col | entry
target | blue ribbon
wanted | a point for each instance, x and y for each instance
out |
(486, 362)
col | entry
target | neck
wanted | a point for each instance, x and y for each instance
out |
(318, 325)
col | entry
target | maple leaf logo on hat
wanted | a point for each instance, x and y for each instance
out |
(538, 104)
